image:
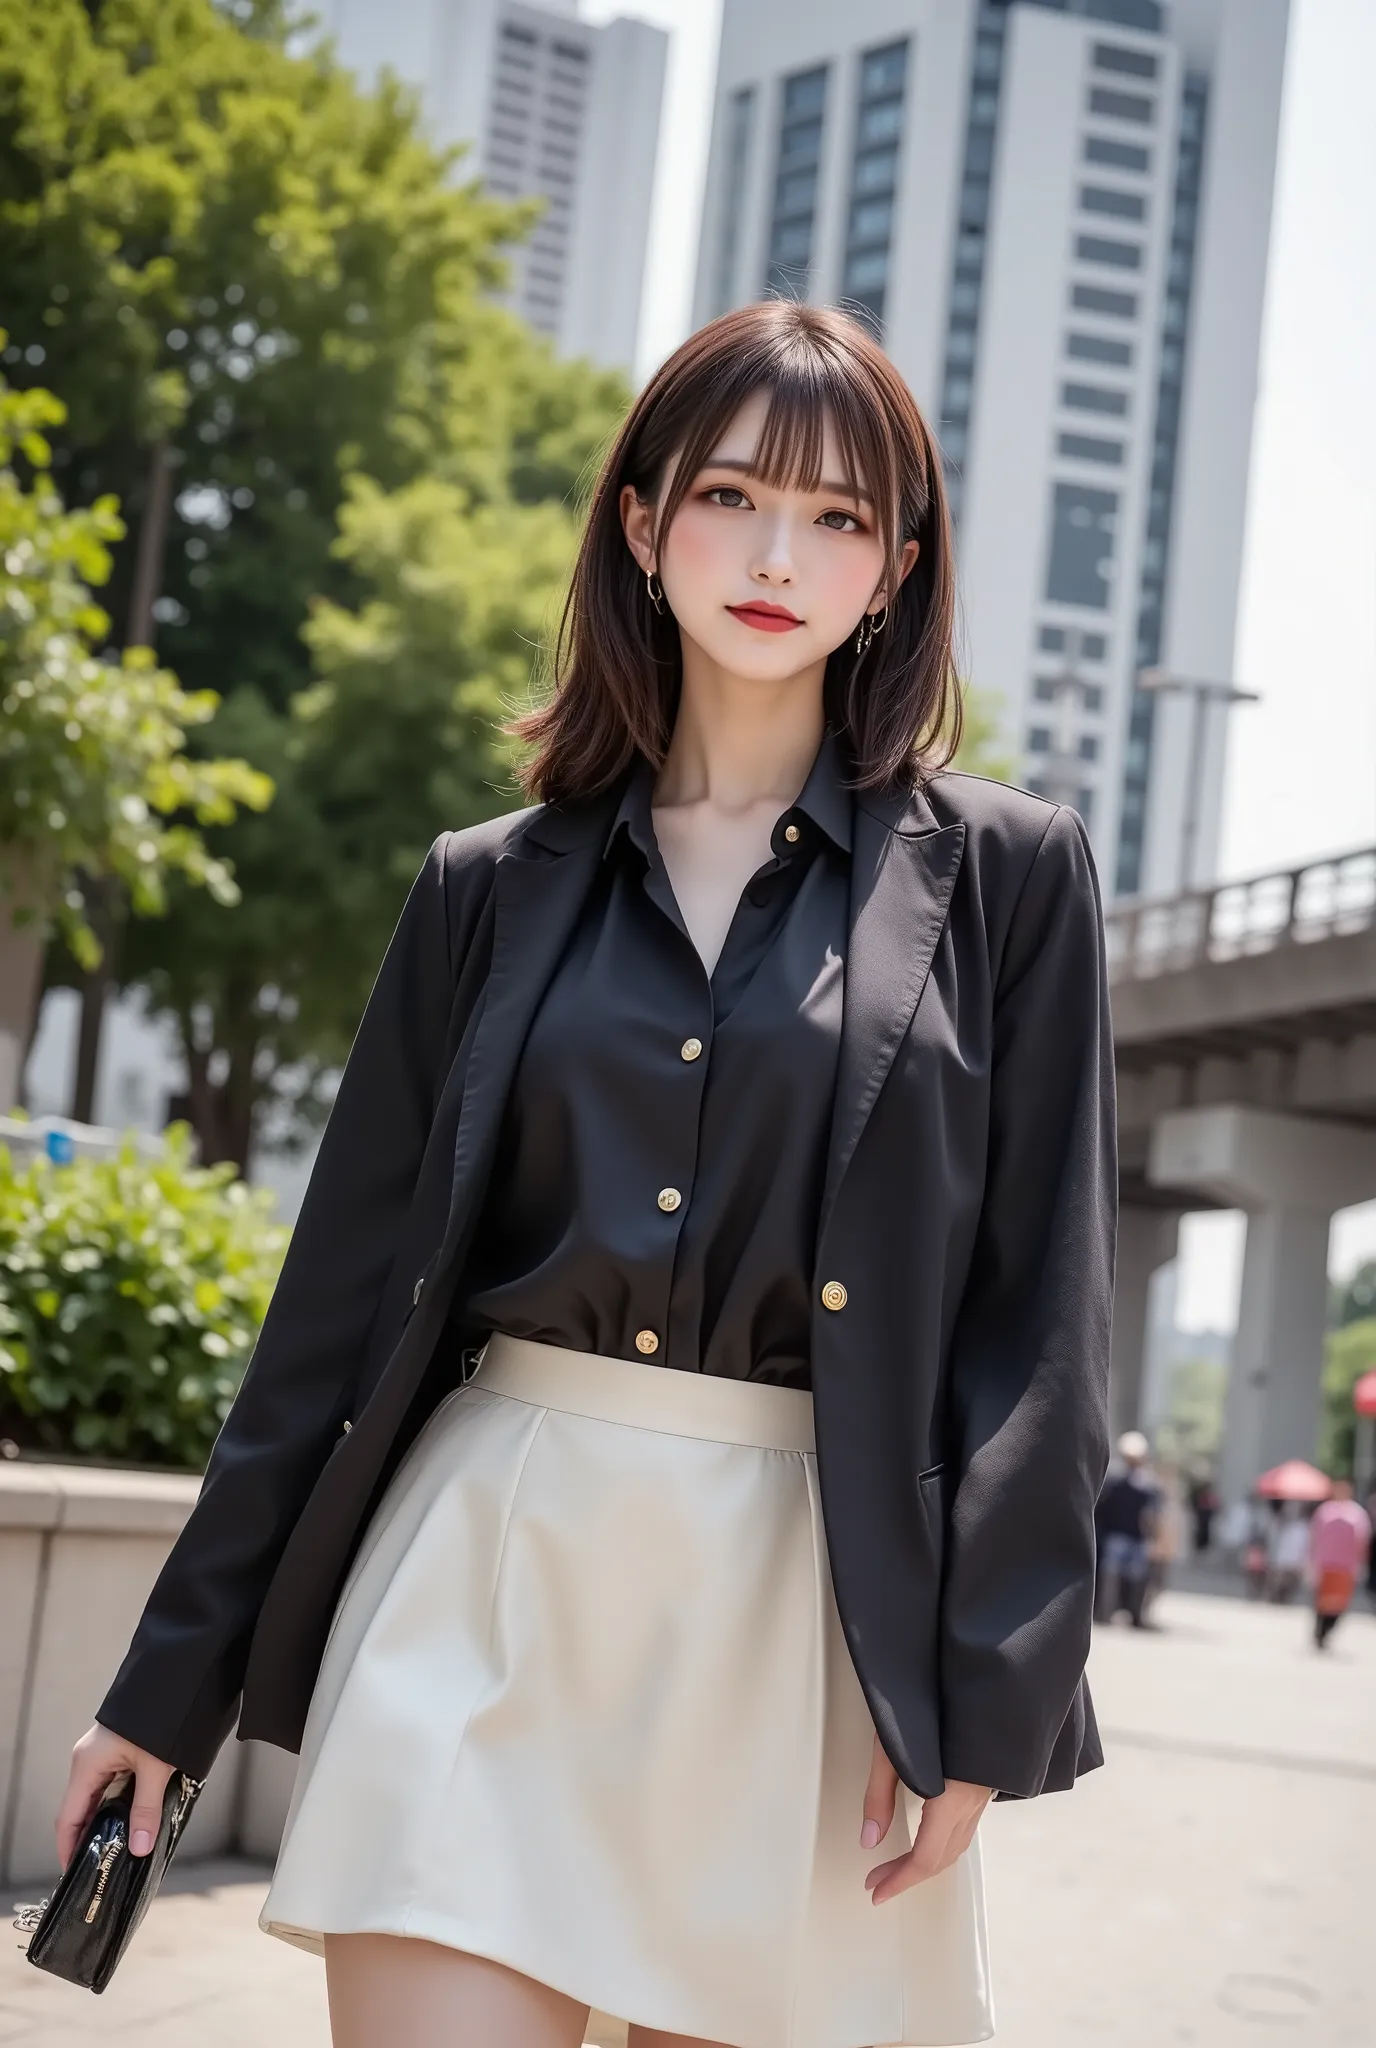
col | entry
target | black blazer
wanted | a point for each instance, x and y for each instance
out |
(968, 1213)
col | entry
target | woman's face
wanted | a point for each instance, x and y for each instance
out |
(766, 581)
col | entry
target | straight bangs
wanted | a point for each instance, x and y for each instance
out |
(617, 667)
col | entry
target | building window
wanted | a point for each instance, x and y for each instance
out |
(1189, 170)
(1094, 398)
(1089, 747)
(1082, 527)
(1120, 106)
(1089, 448)
(795, 184)
(1039, 740)
(1128, 63)
(1092, 298)
(1117, 255)
(1105, 199)
(1097, 348)
(1088, 646)
(874, 180)
(981, 130)
(1118, 156)
(740, 128)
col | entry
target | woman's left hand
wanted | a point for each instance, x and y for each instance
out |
(945, 1831)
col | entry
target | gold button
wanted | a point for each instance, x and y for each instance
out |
(834, 1295)
(669, 1198)
(791, 834)
(690, 1048)
(646, 1341)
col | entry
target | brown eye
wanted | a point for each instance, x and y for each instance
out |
(851, 525)
(727, 496)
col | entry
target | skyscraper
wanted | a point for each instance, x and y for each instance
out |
(552, 108)
(1056, 213)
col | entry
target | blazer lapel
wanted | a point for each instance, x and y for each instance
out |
(903, 870)
(539, 887)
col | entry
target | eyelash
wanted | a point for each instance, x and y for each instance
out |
(716, 493)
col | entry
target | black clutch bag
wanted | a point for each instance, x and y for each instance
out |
(81, 1932)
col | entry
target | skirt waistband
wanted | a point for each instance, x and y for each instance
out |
(656, 1397)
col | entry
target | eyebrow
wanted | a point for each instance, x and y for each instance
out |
(826, 488)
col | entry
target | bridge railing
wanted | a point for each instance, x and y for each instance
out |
(1295, 906)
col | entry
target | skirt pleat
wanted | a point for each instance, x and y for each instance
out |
(587, 1709)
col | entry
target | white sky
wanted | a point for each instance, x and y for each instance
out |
(1302, 768)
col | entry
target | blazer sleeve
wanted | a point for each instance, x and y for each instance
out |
(1030, 1349)
(177, 1690)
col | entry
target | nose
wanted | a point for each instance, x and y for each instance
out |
(773, 565)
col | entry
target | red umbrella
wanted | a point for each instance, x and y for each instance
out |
(1294, 1480)
(1364, 1394)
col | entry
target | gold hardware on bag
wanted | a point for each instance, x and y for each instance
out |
(103, 1869)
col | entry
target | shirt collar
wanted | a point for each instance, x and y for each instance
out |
(824, 804)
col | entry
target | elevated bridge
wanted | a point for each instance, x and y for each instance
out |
(1244, 1023)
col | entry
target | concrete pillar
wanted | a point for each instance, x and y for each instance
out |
(1146, 1241)
(1289, 1174)
(1272, 1407)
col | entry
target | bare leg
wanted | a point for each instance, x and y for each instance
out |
(385, 1991)
(647, 2037)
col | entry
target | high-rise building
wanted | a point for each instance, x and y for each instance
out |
(1057, 214)
(552, 108)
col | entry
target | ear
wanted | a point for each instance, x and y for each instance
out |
(906, 563)
(638, 525)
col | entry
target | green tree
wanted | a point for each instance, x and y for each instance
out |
(265, 285)
(94, 778)
(1349, 1352)
(981, 749)
(1355, 1299)
(1192, 1427)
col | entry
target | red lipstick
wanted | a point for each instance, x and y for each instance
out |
(765, 617)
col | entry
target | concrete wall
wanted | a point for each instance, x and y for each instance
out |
(79, 1550)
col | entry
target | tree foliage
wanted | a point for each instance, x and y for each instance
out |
(222, 250)
(94, 779)
(1350, 1352)
(1355, 1299)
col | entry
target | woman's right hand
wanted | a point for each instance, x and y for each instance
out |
(100, 1756)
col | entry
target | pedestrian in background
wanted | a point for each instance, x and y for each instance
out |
(1204, 1505)
(1287, 1553)
(1339, 1547)
(1262, 1520)
(1126, 1519)
(1167, 1538)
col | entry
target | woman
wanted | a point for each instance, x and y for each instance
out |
(761, 1068)
(1339, 1545)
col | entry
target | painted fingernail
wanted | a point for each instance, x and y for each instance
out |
(869, 1835)
(140, 1841)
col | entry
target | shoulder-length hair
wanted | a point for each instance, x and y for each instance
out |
(617, 666)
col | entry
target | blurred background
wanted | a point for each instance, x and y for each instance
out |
(314, 326)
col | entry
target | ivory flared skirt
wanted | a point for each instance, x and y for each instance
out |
(587, 1709)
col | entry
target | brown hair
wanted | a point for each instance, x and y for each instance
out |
(617, 659)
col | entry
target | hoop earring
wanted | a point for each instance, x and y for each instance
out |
(656, 594)
(871, 624)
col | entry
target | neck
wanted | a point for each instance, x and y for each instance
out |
(737, 741)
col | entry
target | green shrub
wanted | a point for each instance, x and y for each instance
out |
(1348, 1353)
(131, 1292)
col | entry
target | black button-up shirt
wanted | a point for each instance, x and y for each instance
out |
(660, 1170)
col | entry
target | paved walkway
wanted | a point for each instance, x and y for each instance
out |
(1212, 1885)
